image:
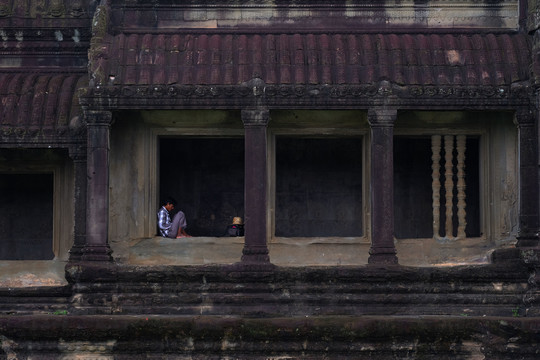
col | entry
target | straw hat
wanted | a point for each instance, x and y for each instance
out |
(237, 221)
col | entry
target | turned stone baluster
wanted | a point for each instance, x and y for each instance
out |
(436, 183)
(461, 205)
(448, 183)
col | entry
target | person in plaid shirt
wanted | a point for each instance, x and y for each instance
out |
(176, 227)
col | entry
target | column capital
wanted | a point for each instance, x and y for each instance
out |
(255, 117)
(98, 117)
(78, 152)
(524, 117)
(382, 116)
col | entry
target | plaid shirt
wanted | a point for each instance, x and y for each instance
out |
(164, 221)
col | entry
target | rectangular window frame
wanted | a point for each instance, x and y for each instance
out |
(152, 158)
(484, 179)
(321, 132)
(63, 191)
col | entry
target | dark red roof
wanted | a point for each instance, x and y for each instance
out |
(39, 100)
(231, 59)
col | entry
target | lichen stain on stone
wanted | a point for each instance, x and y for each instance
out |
(58, 35)
(86, 350)
(7, 345)
(31, 280)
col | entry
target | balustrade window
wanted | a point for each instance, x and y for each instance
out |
(437, 187)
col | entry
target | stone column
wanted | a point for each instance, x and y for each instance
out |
(79, 168)
(381, 121)
(97, 247)
(256, 186)
(529, 218)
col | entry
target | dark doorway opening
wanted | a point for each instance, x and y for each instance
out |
(318, 187)
(206, 177)
(26, 216)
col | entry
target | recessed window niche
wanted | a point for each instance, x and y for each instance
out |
(26, 216)
(318, 187)
(206, 177)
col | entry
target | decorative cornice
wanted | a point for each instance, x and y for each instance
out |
(52, 9)
(181, 95)
(41, 135)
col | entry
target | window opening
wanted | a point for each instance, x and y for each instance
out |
(436, 187)
(26, 216)
(318, 187)
(206, 177)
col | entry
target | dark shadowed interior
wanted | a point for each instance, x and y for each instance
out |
(206, 177)
(26, 216)
(318, 187)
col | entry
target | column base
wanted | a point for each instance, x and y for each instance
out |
(508, 255)
(96, 253)
(255, 255)
(383, 256)
(76, 253)
(522, 254)
(528, 241)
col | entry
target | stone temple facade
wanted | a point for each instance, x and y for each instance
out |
(383, 156)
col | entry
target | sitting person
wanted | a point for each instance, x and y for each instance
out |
(236, 228)
(176, 227)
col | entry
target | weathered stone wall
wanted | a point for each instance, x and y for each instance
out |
(366, 14)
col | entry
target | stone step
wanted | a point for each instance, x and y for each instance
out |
(230, 337)
(35, 300)
(279, 291)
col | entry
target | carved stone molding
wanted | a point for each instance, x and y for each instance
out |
(367, 92)
(98, 117)
(255, 117)
(47, 9)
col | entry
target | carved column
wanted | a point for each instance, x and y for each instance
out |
(382, 249)
(97, 247)
(79, 231)
(255, 191)
(529, 224)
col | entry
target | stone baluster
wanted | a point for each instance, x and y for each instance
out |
(436, 183)
(256, 186)
(382, 249)
(448, 184)
(461, 204)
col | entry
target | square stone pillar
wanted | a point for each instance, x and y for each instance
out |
(96, 247)
(80, 187)
(256, 186)
(529, 217)
(381, 121)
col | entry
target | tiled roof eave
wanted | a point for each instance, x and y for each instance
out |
(308, 59)
(39, 106)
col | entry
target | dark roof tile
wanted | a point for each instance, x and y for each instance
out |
(44, 101)
(460, 59)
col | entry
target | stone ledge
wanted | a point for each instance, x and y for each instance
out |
(205, 337)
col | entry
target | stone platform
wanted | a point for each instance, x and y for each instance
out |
(247, 311)
(143, 336)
